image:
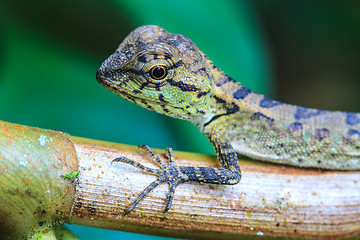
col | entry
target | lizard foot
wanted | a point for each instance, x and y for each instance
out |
(170, 173)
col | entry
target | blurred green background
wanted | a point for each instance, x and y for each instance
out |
(300, 52)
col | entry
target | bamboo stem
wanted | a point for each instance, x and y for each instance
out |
(271, 200)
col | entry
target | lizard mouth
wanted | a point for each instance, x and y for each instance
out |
(107, 81)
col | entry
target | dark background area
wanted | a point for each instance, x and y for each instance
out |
(300, 52)
(315, 51)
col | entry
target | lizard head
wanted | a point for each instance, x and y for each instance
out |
(161, 71)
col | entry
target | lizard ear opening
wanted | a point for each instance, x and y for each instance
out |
(196, 101)
(200, 98)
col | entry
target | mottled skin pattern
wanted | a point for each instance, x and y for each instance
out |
(167, 73)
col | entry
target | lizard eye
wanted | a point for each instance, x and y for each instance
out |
(158, 72)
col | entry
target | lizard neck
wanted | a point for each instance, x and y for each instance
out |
(222, 102)
(217, 103)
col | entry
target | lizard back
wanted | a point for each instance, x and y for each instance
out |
(269, 130)
(167, 73)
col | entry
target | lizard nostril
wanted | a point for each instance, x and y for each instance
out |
(103, 74)
(107, 74)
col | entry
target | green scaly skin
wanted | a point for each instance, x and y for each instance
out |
(168, 74)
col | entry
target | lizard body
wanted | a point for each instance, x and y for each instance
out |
(167, 73)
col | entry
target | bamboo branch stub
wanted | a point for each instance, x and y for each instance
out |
(33, 195)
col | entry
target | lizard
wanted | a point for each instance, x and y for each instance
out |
(167, 73)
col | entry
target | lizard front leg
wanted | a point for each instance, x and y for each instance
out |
(170, 173)
(226, 155)
(174, 174)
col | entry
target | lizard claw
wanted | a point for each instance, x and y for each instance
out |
(169, 173)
